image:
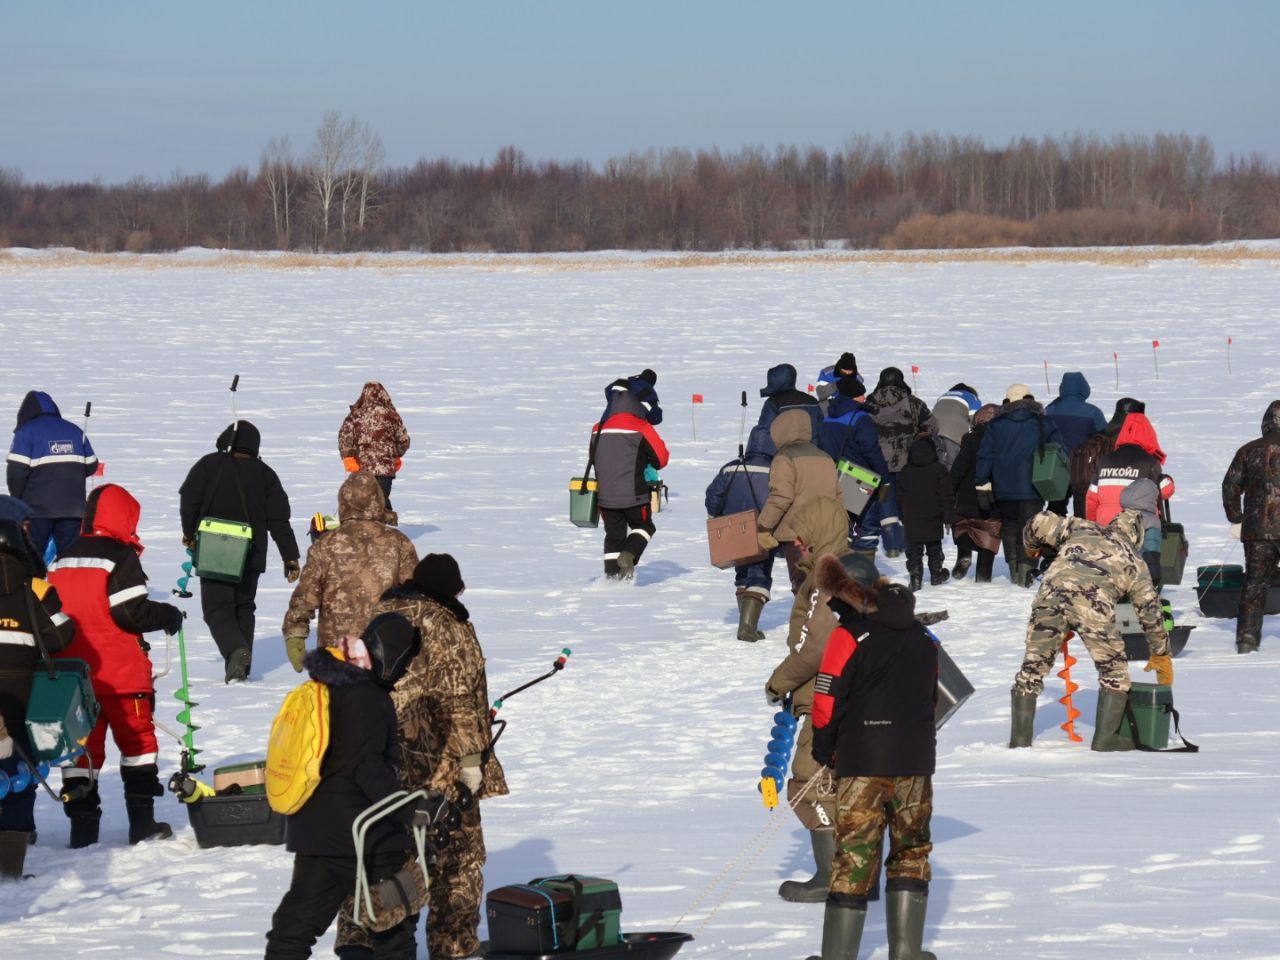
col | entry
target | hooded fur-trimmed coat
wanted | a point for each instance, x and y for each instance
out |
(873, 708)
(1254, 475)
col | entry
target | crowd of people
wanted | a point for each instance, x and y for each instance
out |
(397, 648)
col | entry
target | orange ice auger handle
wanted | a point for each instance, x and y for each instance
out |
(1065, 674)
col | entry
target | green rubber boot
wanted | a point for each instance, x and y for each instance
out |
(750, 606)
(1023, 717)
(842, 932)
(813, 890)
(904, 919)
(1110, 731)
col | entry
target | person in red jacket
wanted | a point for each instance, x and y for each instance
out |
(1137, 454)
(104, 590)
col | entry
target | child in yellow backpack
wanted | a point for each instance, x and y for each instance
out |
(360, 767)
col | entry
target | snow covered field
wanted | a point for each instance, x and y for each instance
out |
(639, 762)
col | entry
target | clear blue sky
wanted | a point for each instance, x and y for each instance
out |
(90, 88)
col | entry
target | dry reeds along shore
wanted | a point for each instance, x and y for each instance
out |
(1218, 255)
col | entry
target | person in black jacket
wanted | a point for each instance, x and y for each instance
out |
(975, 513)
(234, 484)
(360, 767)
(22, 594)
(873, 715)
(927, 504)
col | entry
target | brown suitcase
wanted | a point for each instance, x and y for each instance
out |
(732, 539)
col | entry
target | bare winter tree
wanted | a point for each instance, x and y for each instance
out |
(332, 158)
(276, 171)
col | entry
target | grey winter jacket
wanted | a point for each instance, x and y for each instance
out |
(625, 443)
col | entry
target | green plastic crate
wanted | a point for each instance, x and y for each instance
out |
(598, 910)
(1173, 554)
(1051, 474)
(584, 503)
(222, 549)
(857, 486)
(62, 710)
(1219, 576)
(1152, 705)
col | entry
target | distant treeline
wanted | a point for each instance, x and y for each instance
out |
(913, 192)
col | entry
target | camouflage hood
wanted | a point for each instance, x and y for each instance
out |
(360, 498)
(1271, 419)
(374, 394)
(1128, 524)
(823, 524)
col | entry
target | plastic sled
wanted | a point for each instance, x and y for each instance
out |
(635, 946)
(1135, 644)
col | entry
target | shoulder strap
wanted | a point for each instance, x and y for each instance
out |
(33, 614)
(229, 459)
(1040, 421)
(591, 447)
(739, 467)
(848, 428)
(1187, 745)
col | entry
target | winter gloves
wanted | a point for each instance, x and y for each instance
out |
(1235, 531)
(296, 647)
(351, 463)
(173, 618)
(771, 696)
(766, 540)
(1163, 666)
(472, 775)
(292, 571)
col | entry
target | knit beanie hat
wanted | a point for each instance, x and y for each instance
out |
(650, 376)
(851, 387)
(1016, 392)
(847, 363)
(437, 575)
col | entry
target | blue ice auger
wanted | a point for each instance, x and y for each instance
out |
(778, 757)
(29, 770)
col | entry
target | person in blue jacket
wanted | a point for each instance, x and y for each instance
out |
(743, 484)
(1005, 460)
(1077, 420)
(780, 394)
(49, 460)
(849, 432)
(641, 387)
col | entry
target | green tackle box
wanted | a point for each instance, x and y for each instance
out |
(235, 821)
(62, 709)
(596, 918)
(857, 486)
(1152, 704)
(584, 503)
(1050, 473)
(1218, 587)
(222, 549)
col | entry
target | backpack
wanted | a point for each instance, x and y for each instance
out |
(1085, 459)
(299, 739)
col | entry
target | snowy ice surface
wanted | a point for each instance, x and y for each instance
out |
(640, 761)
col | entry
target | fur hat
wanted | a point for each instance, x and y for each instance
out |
(1016, 392)
(861, 568)
(438, 576)
(985, 414)
(842, 584)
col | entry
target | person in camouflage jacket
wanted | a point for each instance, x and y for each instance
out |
(900, 417)
(347, 570)
(443, 709)
(373, 437)
(1094, 569)
(821, 527)
(1254, 475)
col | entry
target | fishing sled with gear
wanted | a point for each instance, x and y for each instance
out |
(1135, 639)
(1218, 586)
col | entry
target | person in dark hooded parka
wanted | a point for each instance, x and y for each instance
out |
(622, 445)
(234, 484)
(900, 418)
(849, 432)
(1077, 420)
(780, 394)
(741, 485)
(47, 466)
(1251, 498)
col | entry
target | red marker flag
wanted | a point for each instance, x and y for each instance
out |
(1155, 356)
(811, 388)
(1155, 344)
(914, 368)
(697, 398)
(1228, 341)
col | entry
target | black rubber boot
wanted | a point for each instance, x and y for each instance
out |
(961, 568)
(627, 565)
(81, 804)
(1247, 644)
(904, 920)
(813, 890)
(1110, 731)
(238, 665)
(750, 606)
(13, 853)
(143, 824)
(354, 952)
(84, 829)
(1022, 713)
(915, 571)
(938, 577)
(841, 932)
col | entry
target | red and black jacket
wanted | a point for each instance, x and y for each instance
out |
(1136, 456)
(873, 705)
(104, 589)
(624, 444)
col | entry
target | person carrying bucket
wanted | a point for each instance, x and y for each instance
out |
(22, 596)
(104, 589)
(373, 438)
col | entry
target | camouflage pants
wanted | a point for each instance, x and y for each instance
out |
(456, 888)
(817, 811)
(1055, 614)
(866, 806)
(1261, 557)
